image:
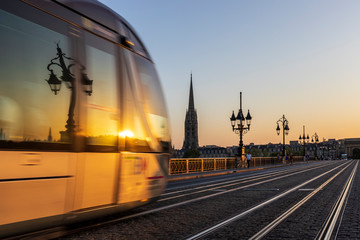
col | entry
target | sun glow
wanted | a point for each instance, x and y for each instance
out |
(126, 133)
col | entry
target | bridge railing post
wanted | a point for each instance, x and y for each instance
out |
(187, 165)
(170, 161)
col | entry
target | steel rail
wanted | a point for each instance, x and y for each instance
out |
(263, 232)
(234, 182)
(343, 209)
(327, 230)
(266, 202)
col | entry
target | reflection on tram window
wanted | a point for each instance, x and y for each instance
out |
(64, 64)
(102, 105)
(153, 101)
(31, 116)
(134, 135)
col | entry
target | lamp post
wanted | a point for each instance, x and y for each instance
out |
(238, 126)
(315, 139)
(69, 79)
(304, 138)
(285, 126)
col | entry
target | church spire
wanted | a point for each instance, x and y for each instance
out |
(50, 136)
(191, 95)
(191, 124)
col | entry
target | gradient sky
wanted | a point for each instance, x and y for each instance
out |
(298, 58)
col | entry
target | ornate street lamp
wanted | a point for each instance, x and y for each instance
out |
(285, 126)
(239, 127)
(68, 78)
(304, 138)
(315, 139)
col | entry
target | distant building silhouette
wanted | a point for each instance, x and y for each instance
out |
(209, 151)
(352, 147)
(330, 149)
(191, 125)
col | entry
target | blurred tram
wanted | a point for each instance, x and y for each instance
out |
(83, 123)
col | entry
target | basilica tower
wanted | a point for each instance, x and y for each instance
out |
(191, 125)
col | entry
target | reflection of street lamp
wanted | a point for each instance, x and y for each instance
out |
(68, 78)
(315, 138)
(285, 126)
(54, 82)
(239, 121)
(304, 138)
(86, 82)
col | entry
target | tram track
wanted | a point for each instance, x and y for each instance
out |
(156, 213)
(271, 178)
(286, 214)
(211, 195)
(335, 216)
(265, 230)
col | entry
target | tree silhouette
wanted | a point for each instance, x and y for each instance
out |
(192, 153)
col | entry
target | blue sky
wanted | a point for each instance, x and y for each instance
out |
(298, 58)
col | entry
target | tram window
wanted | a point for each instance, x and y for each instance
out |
(102, 102)
(32, 115)
(153, 101)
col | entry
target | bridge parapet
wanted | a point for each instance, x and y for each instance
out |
(188, 165)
